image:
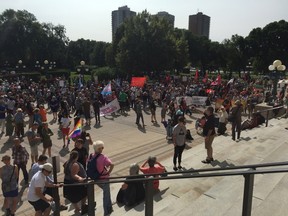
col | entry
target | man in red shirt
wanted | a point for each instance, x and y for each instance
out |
(154, 167)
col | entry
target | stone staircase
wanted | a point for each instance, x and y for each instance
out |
(223, 195)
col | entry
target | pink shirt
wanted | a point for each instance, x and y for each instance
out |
(103, 162)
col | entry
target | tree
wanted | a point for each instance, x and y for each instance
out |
(144, 43)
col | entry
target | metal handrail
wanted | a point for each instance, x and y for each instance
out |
(267, 112)
(248, 173)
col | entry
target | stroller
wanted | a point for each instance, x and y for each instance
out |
(169, 129)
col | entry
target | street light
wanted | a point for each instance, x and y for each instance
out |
(275, 68)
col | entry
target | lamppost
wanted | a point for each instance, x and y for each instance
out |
(275, 69)
(82, 69)
(20, 66)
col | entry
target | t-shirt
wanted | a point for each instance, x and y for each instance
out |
(179, 132)
(103, 162)
(150, 170)
(31, 134)
(82, 155)
(65, 122)
(37, 181)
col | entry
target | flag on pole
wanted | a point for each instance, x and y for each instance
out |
(76, 130)
(138, 81)
(107, 89)
(218, 79)
(196, 75)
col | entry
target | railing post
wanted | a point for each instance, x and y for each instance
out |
(149, 198)
(248, 194)
(91, 198)
(267, 116)
(55, 191)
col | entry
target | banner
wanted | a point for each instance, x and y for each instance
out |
(111, 107)
(194, 100)
(138, 81)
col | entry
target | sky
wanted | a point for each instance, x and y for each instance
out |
(91, 19)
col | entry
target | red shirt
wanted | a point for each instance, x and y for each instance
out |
(151, 170)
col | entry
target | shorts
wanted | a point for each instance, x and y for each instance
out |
(13, 193)
(65, 131)
(209, 141)
(34, 150)
(40, 205)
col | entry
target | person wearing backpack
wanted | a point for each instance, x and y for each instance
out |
(103, 168)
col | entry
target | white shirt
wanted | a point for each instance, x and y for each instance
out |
(65, 122)
(38, 180)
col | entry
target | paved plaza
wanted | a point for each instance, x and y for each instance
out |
(127, 143)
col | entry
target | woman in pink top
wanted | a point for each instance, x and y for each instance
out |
(105, 167)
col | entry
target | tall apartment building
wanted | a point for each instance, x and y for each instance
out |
(119, 16)
(199, 24)
(167, 16)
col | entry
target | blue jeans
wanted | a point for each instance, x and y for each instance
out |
(107, 204)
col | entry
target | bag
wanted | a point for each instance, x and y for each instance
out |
(164, 174)
(92, 171)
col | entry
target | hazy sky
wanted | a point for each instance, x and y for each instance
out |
(91, 19)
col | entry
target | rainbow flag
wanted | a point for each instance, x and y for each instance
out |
(76, 130)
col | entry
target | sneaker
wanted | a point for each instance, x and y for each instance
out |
(179, 167)
(63, 207)
(207, 161)
(175, 168)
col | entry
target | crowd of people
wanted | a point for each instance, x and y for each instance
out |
(23, 114)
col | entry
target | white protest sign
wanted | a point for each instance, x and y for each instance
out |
(111, 107)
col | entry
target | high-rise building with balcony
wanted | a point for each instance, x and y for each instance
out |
(199, 24)
(119, 16)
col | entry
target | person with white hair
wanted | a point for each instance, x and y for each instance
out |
(131, 192)
(105, 167)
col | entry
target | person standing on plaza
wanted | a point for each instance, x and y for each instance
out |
(86, 107)
(9, 124)
(36, 196)
(46, 138)
(223, 119)
(21, 157)
(209, 133)
(82, 152)
(19, 122)
(122, 101)
(75, 173)
(179, 137)
(54, 105)
(152, 107)
(9, 177)
(105, 167)
(34, 139)
(65, 128)
(236, 111)
(37, 167)
(139, 113)
(96, 106)
(2, 114)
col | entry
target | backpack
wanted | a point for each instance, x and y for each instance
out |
(92, 171)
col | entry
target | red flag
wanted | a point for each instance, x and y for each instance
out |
(196, 75)
(138, 81)
(218, 79)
